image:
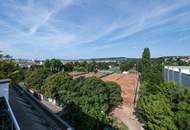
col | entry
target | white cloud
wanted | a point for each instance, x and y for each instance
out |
(43, 24)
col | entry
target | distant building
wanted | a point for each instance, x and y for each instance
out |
(6, 57)
(186, 59)
(37, 62)
(28, 63)
(175, 58)
(7, 118)
(24, 63)
(180, 74)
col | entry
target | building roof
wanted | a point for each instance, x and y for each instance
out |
(31, 115)
(183, 69)
(2, 81)
(180, 67)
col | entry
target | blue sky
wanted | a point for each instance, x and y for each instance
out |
(94, 28)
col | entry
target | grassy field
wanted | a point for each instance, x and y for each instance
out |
(115, 70)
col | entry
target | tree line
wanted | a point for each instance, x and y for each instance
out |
(56, 65)
(10, 70)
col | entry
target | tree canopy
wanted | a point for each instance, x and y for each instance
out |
(125, 66)
(86, 101)
(9, 69)
(54, 65)
(35, 79)
(90, 98)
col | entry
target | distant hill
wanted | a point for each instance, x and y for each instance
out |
(109, 59)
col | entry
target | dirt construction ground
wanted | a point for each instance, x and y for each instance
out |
(129, 85)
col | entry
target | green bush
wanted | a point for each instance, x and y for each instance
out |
(35, 79)
(87, 101)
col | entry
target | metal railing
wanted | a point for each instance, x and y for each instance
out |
(8, 114)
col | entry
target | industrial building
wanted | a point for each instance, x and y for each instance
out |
(180, 74)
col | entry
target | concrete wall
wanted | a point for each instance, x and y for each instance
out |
(185, 79)
(4, 89)
(177, 74)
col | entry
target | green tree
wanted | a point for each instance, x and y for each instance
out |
(90, 67)
(182, 120)
(182, 115)
(87, 101)
(9, 69)
(68, 67)
(47, 64)
(92, 102)
(56, 86)
(35, 79)
(156, 113)
(127, 65)
(54, 65)
(114, 91)
(146, 64)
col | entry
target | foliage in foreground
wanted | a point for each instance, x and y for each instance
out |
(87, 101)
(9, 69)
(162, 106)
(35, 79)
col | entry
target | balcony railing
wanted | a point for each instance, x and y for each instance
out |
(7, 119)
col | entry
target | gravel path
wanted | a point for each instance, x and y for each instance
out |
(125, 114)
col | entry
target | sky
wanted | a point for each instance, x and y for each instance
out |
(73, 29)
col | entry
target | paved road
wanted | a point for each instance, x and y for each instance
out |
(29, 114)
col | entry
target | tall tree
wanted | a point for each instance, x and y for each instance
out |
(56, 65)
(47, 64)
(146, 64)
(68, 67)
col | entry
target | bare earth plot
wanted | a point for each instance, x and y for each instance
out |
(128, 84)
(86, 74)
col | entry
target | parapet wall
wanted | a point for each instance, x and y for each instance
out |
(4, 88)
